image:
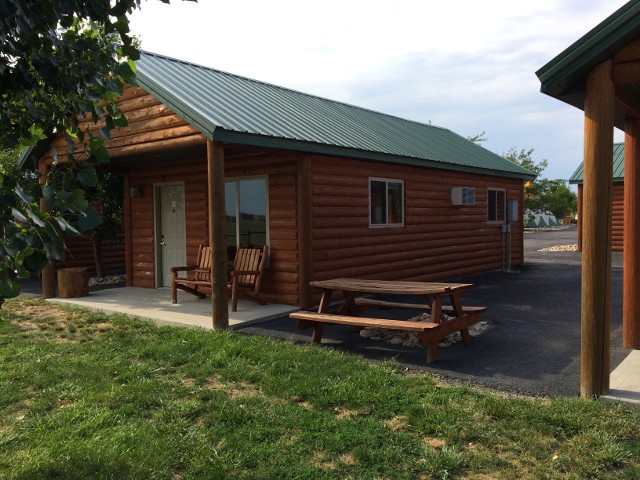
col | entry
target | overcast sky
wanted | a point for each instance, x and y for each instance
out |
(465, 65)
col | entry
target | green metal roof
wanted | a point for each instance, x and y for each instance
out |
(563, 77)
(618, 166)
(238, 110)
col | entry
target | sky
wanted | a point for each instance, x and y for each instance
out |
(465, 65)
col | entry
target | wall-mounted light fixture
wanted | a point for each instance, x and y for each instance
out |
(135, 191)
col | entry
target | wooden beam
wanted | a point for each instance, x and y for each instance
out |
(596, 231)
(628, 53)
(304, 231)
(217, 235)
(48, 272)
(631, 266)
(627, 103)
(625, 73)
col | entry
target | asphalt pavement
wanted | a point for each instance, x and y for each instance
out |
(532, 344)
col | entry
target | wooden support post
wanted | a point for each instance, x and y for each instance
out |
(217, 235)
(580, 188)
(631, 267)
(596, 231)
(128, 234)
(305, 261)
(48, 272)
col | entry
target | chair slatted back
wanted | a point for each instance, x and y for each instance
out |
(204, 263)
(250, 259)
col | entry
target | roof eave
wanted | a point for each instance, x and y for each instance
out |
(567, 70)
(245, 138)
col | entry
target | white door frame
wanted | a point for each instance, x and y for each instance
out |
(157, 229)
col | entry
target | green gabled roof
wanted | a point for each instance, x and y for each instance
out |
(618, 166)
(563, 77)
(238, 110)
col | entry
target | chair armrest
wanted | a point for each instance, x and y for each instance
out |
(183, 269)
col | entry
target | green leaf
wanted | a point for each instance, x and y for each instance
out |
(88, 176)
(18, 215)
(121, 121)
(95, 143)
(9, 284)
(23, 194)
(66, 227)
(77, 200)
(90, 219)
(55, 250)
(36, 261)
(49, 196)
(34, 218)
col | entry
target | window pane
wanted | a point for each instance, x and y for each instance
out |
(378, 202)
(491, 205)
(500, 206)
(230, 221)
(253, 212)
(394, 195)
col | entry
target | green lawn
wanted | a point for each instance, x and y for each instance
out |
(91, 395)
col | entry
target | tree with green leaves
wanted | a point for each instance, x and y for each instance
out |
(543, 194)
(63, 64)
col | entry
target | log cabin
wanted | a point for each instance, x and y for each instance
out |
(333, 189)
(617, 198)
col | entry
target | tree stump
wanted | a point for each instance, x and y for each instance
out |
(73, 282)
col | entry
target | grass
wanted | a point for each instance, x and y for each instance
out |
(88, 395)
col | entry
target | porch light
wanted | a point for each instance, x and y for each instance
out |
(135, 191)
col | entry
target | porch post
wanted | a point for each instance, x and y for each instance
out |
(579, 225)
(631, 267)
(128, 235)
(217, 237)
(596, 231)
(48, 273)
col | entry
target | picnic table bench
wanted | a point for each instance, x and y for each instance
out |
(445, 319)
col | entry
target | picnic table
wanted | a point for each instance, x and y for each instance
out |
(445, 319)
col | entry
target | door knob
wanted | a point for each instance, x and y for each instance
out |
(162, 244)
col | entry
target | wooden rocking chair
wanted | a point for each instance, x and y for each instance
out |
(197, 275)
(246, 275)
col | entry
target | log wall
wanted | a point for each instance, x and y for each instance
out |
(80, 254)
(152, 126)
(437, 242)
(617, 216)
(281, 276)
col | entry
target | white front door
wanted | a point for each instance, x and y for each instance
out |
(171, 232)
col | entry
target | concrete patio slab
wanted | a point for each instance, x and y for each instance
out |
(624, 381)
(155, 304)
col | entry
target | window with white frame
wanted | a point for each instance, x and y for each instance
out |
(496, 205)
(386, 202)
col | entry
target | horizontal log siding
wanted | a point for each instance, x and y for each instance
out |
(280, 282)
(280, 278)
(438, 241)
(149, 120)
(80, 254)
(617, 217)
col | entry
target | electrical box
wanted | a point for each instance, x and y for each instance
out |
(512, 211)
(463, 196)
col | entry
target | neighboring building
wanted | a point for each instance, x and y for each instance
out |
(617, 213)
(334, 190)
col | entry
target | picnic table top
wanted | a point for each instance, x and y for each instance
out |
(390, 286)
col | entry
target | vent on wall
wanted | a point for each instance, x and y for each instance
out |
(463, 196)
